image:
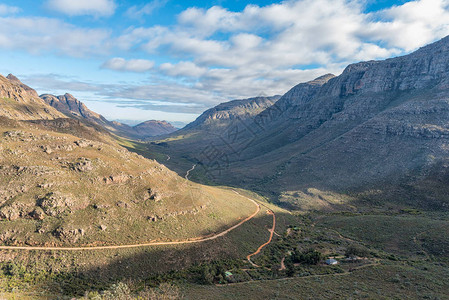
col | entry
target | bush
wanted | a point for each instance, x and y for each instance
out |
(165, 291)
(357, 250)
(119, 291)
(309, 257)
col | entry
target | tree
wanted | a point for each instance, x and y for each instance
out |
(309, 257)
(356, 250)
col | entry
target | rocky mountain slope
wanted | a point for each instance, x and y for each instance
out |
(63, 182)
(153, 128)
(378, 123)
(72, 107)
(18, 101)
(225, 113)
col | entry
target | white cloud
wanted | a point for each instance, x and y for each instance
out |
(182, 69)
(268, 48)
(8, 10)
(412, 24)
(132, 65)
(38, 35)
(136, 12)
(83, 7)
(216, 54)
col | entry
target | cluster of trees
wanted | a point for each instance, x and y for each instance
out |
(308, 257)
(214, 271)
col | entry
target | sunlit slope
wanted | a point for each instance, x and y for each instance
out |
(59, 189)
(19, 103)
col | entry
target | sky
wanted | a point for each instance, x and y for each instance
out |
(170, 60)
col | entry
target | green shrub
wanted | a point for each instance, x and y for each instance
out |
(309, 257)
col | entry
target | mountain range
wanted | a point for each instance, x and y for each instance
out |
(71, 107)
(378, 124)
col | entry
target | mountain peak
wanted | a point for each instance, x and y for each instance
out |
(69, 96)
(322, 79)
(13, 79)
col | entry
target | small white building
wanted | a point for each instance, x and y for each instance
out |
(331, 261)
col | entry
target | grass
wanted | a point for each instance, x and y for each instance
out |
(406, 235)
(379, 282)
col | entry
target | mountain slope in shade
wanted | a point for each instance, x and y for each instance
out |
(209, 129)
(19, 102)
(378, 123)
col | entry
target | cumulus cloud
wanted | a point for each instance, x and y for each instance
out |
(267, 48)
(132, 65)
(8, 10)
(83, 7)
(410, 25)
(216, 54)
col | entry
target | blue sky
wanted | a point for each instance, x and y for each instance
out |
(171, 60)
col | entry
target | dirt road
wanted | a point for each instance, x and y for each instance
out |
(270, 212)
(188, 172)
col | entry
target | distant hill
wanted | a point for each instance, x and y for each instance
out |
(153, 128)
(224, 113)
(378, 124)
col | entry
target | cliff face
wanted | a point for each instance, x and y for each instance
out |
(69, 105)
(377, 123)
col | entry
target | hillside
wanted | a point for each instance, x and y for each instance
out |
(18, 101)
(224, 114)
(63, 182)
(153, 128)
(378, 123)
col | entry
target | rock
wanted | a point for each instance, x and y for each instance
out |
(82, 165)
(68, 234)
(120, 178)
(153, 195)
(56, 203)
(82, 143)
(103, 227)
(47, 149)
(11, 212)
(38, 213)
